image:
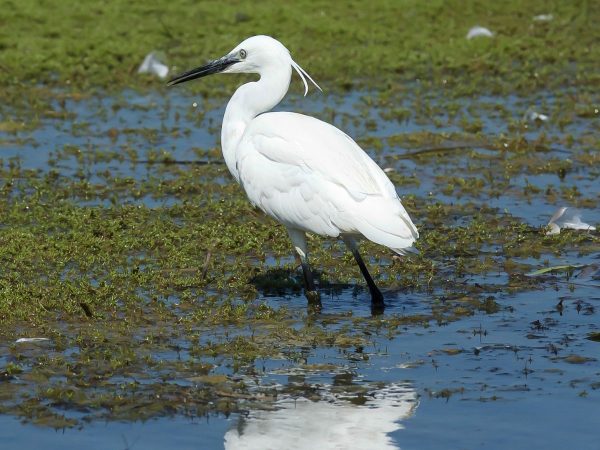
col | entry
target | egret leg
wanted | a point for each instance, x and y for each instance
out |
(377, 303)
(298, 238)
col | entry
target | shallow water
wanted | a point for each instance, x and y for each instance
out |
(489, 380)
(132, 135)
(524, 376)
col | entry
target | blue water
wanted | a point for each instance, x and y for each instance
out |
(511, 386)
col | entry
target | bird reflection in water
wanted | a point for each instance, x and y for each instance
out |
(334, 422)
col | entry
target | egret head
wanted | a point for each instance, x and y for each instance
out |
(257, 54)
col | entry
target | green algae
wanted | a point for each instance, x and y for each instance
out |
(102, 44)
(184, 277)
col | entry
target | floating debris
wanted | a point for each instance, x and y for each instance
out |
(478, 31)
(578, 359)
(389, 170)
(543, 18)
(34, 339)
(153, 66)
(561, 268)
(535, 116)
(567, 217)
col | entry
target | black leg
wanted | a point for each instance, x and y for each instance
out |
(298, 238)
(309, 282)
(312, 295)
(376, 295)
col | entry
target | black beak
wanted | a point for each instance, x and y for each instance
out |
(216, 66)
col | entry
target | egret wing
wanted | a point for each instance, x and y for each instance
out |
(304, 141)
(291, 193)
(303, 171)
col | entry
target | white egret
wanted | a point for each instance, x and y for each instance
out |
(303, 172)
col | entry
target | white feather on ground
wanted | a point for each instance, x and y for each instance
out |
(567, 217)
(478, 31)
(536, 116)
(152, 65)
(31, 340)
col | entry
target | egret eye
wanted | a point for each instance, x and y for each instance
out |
(243, 54)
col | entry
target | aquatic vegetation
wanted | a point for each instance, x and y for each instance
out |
(161, 291)
(350, 46)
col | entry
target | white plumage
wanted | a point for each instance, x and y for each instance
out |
(319, 180)
(305, 173)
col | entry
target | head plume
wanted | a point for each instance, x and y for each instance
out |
(302, 74)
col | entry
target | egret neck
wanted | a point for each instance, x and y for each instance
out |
(250, 100)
